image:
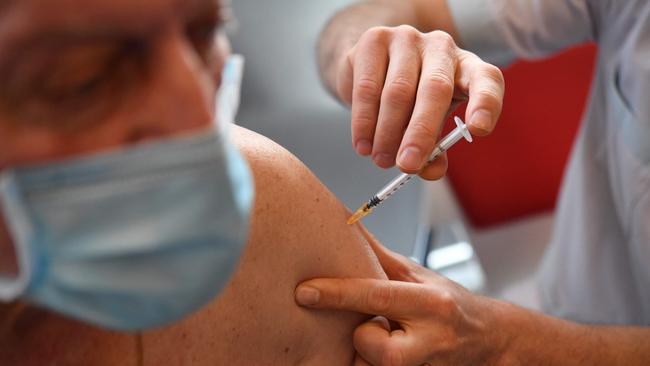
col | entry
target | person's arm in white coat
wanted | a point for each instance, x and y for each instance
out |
(397, 65)
(437, 322)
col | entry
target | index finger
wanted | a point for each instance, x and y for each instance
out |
(392, 299)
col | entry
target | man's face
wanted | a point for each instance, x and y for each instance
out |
(78, 76)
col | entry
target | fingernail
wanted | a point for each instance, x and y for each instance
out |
(307, 295)
(482, 119)
(384, 160)
(411, 159)
(363, 147)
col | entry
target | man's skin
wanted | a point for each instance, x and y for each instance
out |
(82, 76)
(438, 322)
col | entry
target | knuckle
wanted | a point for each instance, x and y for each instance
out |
(421, 130)
(337, 297)
(438, 85)
(490, 96)
(494, 73)
(407, 32)
(406, 29)
(440, 80)
(446, 304)
(490, 99)
(367, 90)
(442, 39)
(362, 124)
(376, 35)
(400, 91)
(380, 299)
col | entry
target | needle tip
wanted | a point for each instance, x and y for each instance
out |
(362, 212)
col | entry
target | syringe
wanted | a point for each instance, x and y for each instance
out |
(445, 144)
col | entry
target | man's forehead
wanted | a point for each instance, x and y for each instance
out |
(99, 13)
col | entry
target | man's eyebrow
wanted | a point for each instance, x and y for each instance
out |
(62, 38)
(61, 35)
(42, 46)
(131, 26)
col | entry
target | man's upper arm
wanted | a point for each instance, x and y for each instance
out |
(501, 30)
(298, 232)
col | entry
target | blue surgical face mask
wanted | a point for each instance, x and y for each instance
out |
(134, 238)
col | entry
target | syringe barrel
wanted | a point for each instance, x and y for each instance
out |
(393, 186)
(449, 140)
(436, 152)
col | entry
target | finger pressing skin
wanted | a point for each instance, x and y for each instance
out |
(391, 299)
(370, 65)
(434, 96)
(486, 88)
(398, 95)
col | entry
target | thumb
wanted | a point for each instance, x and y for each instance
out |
(359, 361)
(378, 345)
(393, 299)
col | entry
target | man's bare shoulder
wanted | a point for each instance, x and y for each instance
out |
(293, 205)
(271, 163)
(297, 232)
(284, 186)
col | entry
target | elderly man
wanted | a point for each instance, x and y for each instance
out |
(125, 201)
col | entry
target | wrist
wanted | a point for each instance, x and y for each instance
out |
(526, 337)
(504, 325)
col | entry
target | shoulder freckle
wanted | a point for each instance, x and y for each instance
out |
(276, 171)
(284, 185)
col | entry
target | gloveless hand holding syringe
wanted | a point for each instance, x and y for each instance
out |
(445, 144)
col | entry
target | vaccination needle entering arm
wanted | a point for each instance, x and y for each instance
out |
(445, 144)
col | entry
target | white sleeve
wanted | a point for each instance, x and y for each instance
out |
(502, 30)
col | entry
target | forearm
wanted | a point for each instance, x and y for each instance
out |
(536, 339)
(345, 28)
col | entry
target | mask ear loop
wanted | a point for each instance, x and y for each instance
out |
(229, 94)
(11, 209)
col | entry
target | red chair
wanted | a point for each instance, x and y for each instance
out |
(517, 171)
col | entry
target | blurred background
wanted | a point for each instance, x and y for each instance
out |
(488, 223)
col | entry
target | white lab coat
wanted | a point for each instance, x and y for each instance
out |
(597, 268)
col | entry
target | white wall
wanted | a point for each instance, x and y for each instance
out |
(279, 38)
